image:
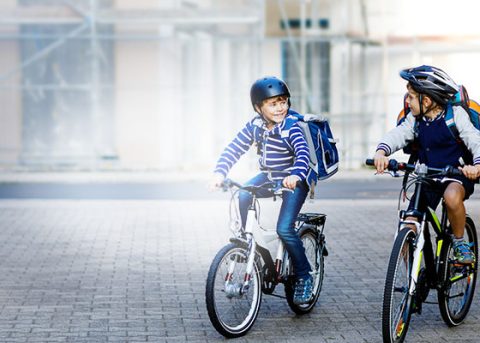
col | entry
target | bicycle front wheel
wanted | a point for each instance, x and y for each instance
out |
(232, 308)
(314, 253)
(396, 299)
(456, 295)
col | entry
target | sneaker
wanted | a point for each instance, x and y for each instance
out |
(303, 291)
(463, 253)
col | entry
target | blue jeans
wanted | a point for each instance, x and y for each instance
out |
(291, 206)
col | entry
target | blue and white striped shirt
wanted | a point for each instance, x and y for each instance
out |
(282, 152)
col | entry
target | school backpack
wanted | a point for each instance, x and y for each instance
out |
(461, 99)
(324, 159)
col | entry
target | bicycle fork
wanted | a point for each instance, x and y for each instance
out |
(252, 245)
(237, 289)
(417, 257)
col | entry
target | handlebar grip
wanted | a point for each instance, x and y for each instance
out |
(452, 171)
(457, 172)
(228, 183)
(393, 165)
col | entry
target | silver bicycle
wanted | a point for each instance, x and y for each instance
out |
(255, 262)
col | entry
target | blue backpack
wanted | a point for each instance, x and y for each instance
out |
(324, 157)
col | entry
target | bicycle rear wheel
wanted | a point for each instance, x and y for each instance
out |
(456, 295)
(314, 252)
(396, 299)
(231, 308)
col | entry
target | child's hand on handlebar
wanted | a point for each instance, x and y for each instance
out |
(380, 161)
(215, 181)
(471, 172)
(290, 181)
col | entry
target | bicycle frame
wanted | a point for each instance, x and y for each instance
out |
(408, 282)
(423, 245)
(266, 244)
(257, 238)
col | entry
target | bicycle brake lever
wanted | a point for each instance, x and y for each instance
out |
(394, 173)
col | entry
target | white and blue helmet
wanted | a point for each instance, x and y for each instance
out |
(431, 81)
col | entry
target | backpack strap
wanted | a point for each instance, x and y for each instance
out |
(450, 121)
(311, 146)
(257, 139)
(295, 117)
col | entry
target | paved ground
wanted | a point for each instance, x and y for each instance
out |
(134, 271)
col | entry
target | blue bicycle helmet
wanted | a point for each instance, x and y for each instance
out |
(431, 81)
(268, 87)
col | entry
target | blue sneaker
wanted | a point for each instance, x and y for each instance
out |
(303, 291)
(463, 253)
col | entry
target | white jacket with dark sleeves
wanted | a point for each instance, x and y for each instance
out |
(401, 135)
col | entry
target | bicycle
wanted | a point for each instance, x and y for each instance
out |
(415, 267)
(245, 269)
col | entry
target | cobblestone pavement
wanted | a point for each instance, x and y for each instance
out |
(135, 271)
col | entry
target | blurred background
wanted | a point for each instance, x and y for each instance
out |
(163, 85)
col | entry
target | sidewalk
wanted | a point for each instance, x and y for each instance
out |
(135, 271)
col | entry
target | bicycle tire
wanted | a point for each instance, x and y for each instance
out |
(227, 313)
(395, 324)
(452, 308)
(314, 252)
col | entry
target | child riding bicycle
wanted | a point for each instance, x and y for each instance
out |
(284, 157)
(429, 91)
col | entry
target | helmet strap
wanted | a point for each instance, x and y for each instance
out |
(256, 107)
(420, 102)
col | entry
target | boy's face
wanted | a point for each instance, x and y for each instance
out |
(274, 109)
(413, 101)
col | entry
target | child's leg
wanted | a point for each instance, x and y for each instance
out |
(245, 198)
(454, 195)
(291, 206)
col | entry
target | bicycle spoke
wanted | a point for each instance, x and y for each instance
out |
(456, 298)
(233, 306)
(396, 306)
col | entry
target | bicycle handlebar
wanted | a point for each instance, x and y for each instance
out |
(274, 187)
(394, 165)
(228, 183)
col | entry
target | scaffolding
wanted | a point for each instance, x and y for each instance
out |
(56, 129)
(164, 84)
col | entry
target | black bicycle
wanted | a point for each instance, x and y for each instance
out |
(415, 267)
(255, 262)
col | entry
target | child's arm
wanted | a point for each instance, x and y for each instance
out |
(394, 140)
(468, 133)
(398, 137)
(471, 137)
(237, 147)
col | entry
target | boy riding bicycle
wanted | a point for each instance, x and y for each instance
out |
(284, 157)
(429, 90)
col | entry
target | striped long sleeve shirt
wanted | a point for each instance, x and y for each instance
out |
(282, 152)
